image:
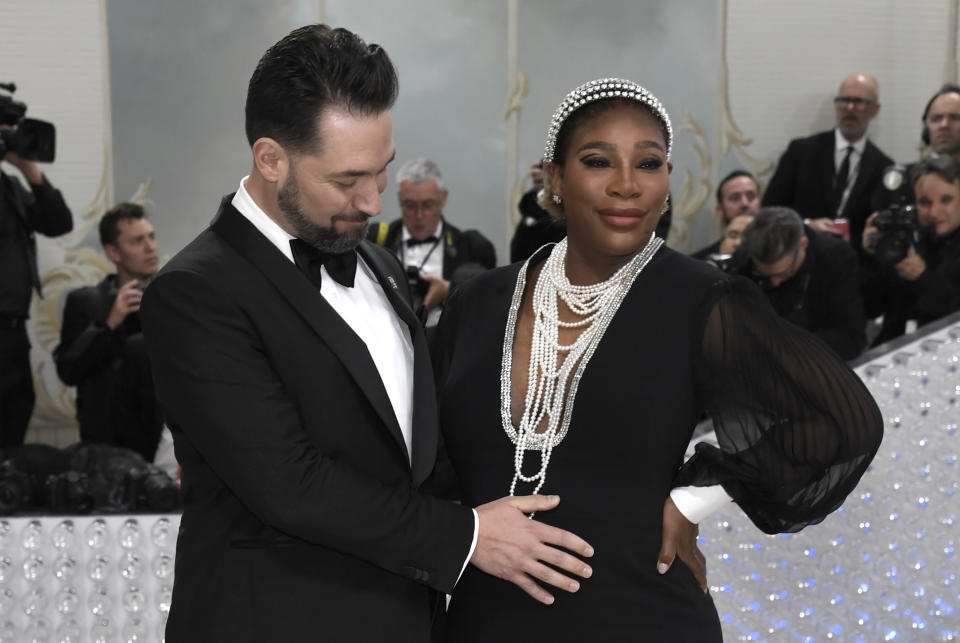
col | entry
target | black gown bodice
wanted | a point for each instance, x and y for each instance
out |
(638, 400)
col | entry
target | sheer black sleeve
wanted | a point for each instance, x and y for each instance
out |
(796, 427)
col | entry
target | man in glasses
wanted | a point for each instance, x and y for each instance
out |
(811, 279)
(830, 177)
(433, 252)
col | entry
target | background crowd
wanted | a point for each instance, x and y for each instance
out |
(844, 241)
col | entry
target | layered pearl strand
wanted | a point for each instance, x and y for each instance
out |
(551, 390)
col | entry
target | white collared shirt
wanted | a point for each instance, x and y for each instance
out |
(428, 257)
(365, 308)
(839, 152)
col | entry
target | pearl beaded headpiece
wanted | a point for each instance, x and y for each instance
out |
(598, 90)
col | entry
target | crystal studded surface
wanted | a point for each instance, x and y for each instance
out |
(885, 566)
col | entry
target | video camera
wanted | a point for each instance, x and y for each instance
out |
(32, 139)
(897, 225)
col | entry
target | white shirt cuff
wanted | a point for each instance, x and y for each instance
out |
(696, 503)
(473, 545)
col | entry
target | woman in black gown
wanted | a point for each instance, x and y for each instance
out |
(583, 371)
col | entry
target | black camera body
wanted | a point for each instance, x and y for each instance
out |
(69, 492)
(418, 285)
(724, 261)
(17, 489)
(147, 488)
(897, 229)
(32, 139)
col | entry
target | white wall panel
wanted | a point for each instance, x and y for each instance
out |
(786, 60)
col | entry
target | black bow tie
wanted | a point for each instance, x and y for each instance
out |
(411, 242)
(342, 267)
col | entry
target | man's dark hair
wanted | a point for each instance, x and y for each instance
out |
(312, 69)
(775, 232)
(947, 88)
(946, 167)
(734, 175)
(109, 228)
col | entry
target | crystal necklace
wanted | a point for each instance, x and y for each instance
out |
(546, 381)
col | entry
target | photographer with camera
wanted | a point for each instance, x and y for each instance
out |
(434, 252)
(23, 213)
(101, 328)
(811, 279)
(912, 271)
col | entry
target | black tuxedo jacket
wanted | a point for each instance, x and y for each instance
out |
(302, 518)
(459, 246)
(803, 181)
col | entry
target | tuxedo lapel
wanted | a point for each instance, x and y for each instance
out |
(304, 299)
(425, 428)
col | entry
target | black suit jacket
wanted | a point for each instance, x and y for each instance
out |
(459, 246)
(823, 297)
(803, 181)
(302, 517)
(90, 356)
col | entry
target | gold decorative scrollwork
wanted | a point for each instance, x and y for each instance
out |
(694, 193)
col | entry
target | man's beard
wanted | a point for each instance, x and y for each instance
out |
(325, 238)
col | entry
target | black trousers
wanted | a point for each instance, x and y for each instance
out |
(16, 385)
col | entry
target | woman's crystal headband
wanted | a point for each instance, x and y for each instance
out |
(598, 90)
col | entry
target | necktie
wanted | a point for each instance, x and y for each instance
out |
(342, 267)
(411, 242)
(840, 180)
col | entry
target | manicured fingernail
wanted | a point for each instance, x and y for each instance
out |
(549, 600)
(553, 498)
(588, 551)
(587, 572)
(662, 568)
(574, 586)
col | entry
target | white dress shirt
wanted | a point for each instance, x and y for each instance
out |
(428, 257)
(368, 312)
(839, 152)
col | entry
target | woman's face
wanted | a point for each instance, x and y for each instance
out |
(614, 181)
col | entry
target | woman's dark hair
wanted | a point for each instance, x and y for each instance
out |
(946, 167)
(592, 110)
(312, 69)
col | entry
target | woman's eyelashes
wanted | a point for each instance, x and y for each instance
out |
(647, 163)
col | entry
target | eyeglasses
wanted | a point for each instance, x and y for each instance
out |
(430, 205)
(856, 101)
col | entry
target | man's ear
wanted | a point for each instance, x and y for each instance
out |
(271, 160)
(113, 254)
(804, 242)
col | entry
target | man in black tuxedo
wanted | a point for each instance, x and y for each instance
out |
(834, 174)
(434, 251)
(297, 386)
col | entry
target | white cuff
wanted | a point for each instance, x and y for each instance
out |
(473, 545)
(696, 503)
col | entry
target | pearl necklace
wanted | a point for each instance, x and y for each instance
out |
(546, 381)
